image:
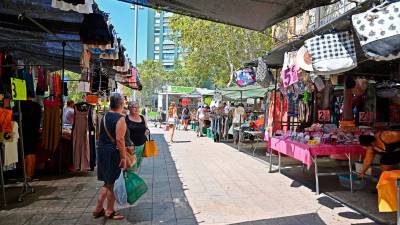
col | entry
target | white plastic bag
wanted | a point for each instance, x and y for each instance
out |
(120, 190)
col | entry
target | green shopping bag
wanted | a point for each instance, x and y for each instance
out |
(135, 186)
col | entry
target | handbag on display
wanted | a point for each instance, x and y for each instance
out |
(150, 148)
(332, 53)
(245, 77)
(378, 30)
(264, 76)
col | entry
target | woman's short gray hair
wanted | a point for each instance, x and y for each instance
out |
(116, 101)
(132, 103)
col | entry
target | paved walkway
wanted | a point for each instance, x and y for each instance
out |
(193, 181)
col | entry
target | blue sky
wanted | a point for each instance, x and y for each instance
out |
(121, 17)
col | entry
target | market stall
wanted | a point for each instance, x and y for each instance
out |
(332, 89)
(36, 49)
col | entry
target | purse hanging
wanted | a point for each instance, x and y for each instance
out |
(150, 148)
(264, 76)
(332, 53)
(378, 30)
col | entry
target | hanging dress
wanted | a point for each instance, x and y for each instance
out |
(80, 139)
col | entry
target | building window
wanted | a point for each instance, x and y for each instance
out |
(168, 56)
(157, 21)
(168, 46)
(157, 56)
(169, 67)
(157, 48)
(157, 40)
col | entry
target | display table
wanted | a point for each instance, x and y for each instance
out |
(258, 137)
(308, 154)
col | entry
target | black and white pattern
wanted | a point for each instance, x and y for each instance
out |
(332, 53)
(263, 76)
(378, 30)
(331, 46)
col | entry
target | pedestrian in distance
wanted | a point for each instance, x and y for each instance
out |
(172, 119)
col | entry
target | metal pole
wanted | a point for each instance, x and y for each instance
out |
(62, 105)
(398, 202)
(3, 189)
(136, 43)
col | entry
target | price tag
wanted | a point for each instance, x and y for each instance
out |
(18, 89)
(365, 117)
(324, 115)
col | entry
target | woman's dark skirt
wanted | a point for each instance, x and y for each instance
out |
(108, 160)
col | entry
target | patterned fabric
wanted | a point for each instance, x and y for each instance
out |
(379, 31)
(264, 76)
(332, 53)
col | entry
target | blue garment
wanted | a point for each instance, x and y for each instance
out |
(108, 158)
(25, 75)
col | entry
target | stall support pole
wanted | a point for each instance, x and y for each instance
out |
(3, 189)
(398, 201)
(273, 120)
(62, 107)
(26, 188)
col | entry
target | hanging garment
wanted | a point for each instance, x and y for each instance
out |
(11, 148)
(92, 137)
(25, 75)
(84, 87)
(51, 125)
(31, 118)
(85, 58)
(40, 86)
(56, 85)
(80, 137)
(94, 31)
(74, 5)
(387, 191)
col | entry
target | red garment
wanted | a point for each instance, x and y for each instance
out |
(56, 83)
(278, 114)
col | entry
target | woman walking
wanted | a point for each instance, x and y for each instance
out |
(185, 117)
(138, 130)
(172, 118)
(111, 156)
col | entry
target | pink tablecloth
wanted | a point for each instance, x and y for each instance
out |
(305, 153)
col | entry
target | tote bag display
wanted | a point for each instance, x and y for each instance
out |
(245, 77)
(264, 76)
(332, 53)
(379, 31)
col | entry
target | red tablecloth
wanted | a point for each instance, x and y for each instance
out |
(305, 153)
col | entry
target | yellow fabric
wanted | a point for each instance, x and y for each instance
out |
(150, 149)
(387, 191)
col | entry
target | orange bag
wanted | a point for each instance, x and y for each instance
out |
(6, 120)
(92, 99)
(387, 191)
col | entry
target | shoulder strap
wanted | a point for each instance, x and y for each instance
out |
(107, 131)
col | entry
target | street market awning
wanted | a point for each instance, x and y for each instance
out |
(253, 91)
(251, 14)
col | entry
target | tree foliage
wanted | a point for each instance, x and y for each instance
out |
(152, 76)
(214, 50)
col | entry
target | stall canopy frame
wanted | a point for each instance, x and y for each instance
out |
(254, 14)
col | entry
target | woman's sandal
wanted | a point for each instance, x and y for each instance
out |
(99, 214)
(115, 216)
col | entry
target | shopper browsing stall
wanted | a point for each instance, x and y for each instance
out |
(386, 144)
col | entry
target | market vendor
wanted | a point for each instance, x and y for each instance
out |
(386, 144)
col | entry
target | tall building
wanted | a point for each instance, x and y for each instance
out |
(154, 42)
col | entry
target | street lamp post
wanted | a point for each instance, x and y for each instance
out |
(135, 7)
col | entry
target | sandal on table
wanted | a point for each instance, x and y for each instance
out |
(99, 214)
(115, 216)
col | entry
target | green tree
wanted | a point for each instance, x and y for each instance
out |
(213, 50)
(152, 76)
(73, 92)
